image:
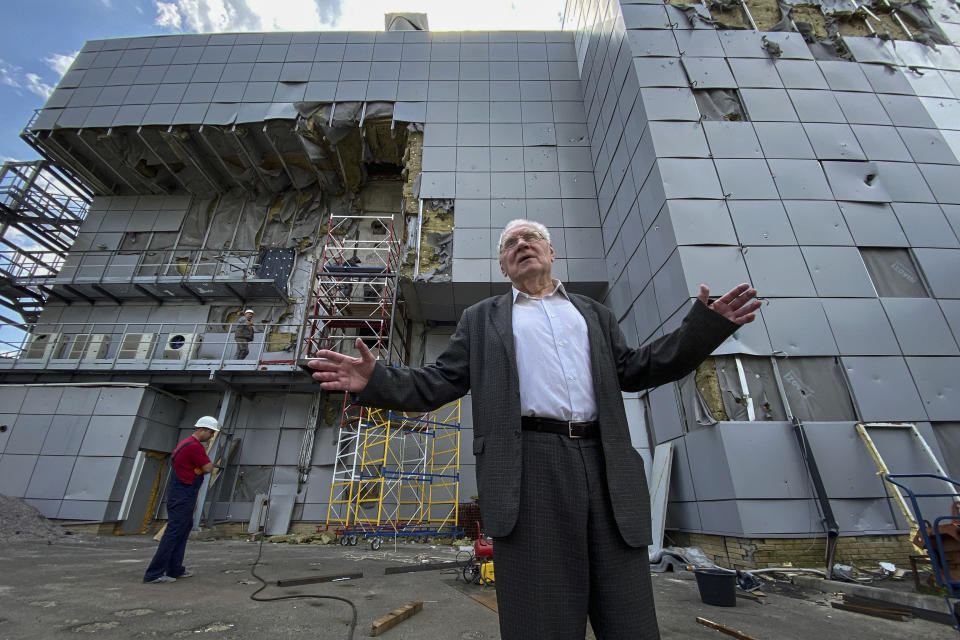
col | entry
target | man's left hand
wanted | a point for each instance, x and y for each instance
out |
(735, 305)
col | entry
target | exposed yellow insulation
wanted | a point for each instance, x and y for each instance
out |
(412, 166)
(708, 384)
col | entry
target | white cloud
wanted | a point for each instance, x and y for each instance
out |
(8, 74)
(35, 85)
(60, 62)
(168, 16)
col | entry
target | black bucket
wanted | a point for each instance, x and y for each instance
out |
(717, 587)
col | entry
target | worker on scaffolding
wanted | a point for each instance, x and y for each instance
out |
(562, 490)
(243, 334)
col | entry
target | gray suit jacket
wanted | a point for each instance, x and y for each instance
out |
(481, 358)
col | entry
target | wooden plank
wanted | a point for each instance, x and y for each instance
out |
(870, 611)
(295, 582)
(395, 617)
(488, 602)
(426, 566)
(724, 629)
(659, 489)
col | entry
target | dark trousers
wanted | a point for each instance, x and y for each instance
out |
(565, 559)
(181, 499)
(243, 348)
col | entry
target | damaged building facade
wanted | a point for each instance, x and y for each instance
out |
(811, 149)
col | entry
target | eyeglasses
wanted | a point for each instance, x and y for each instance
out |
(528, 236)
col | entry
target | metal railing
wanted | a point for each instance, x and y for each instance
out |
(42, 267)
(160, 345)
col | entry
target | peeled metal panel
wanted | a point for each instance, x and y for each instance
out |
(838, 272)
(860, 327)
(883, 389)
(919, 326)
(798, 327)
(937, 379)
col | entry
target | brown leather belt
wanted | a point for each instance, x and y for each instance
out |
(563, 427)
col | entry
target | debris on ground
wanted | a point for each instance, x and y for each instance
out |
(20, 521)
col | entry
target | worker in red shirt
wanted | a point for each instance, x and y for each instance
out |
(190, 463)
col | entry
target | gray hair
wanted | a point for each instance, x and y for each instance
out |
(519, 221)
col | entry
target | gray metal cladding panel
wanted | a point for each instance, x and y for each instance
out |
(732, 139)
(816, 106)
(768, 105)
(833, 141)
(107, 435)
(65, 435)
(941, 267)
(880, 142)
(681, 479)
(87, 480)
(755, 73)
(904, 182)
(720, 268)
(861, 327)
(679, 139)
(795, 518)
(783, 140)
(708, 73)
(12, 398)
(27, 434)
(689, 178)
(761, 222)
(798, 327)
(944, 181)
(39, 400)
(7, 420)
(745, 179)
(866, 516)
(15, 473)
(50, 477)
(708, 456)
(259, 446)
(799, 179)
(838, 272)
(927, 145)
(661, 103)
(763, 461)
(90, 510)
(937, 379)
(701, 222)
(119, 401)
(683, 516)
(920, 327)
(883, 389)
(862, 108)
(846, 467)
(779, 271)
(856, 181)
(288, 451)
(665, 419)
(719, 517)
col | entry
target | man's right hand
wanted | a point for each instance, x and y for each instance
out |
(337, 372)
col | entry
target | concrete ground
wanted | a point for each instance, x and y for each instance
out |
(83, 585)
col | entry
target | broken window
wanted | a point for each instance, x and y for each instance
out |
(894, 272)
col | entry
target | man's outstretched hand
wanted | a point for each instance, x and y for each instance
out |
(337, 372)
(735, 305)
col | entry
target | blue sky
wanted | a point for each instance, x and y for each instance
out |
(38, 38)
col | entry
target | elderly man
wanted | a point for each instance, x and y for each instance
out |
(562, 490)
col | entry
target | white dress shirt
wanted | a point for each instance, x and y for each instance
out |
(553, 357)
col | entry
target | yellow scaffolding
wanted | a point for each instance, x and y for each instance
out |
(398, 475)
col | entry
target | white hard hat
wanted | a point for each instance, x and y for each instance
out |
(248, 311)
(208, 422)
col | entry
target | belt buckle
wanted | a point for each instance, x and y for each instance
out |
(570, 424)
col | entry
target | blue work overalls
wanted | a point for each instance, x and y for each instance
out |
(181, 500)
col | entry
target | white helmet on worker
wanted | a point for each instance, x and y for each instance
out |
(208, 422)
(248, 311)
